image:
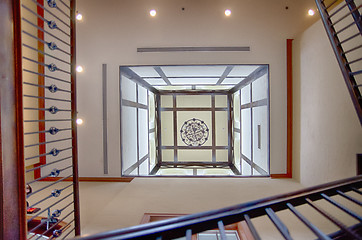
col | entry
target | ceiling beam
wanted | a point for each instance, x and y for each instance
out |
(225, 74)
(162, 74)
(127, 72)
(259, 72)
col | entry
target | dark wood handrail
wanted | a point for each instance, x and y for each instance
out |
(199, 222)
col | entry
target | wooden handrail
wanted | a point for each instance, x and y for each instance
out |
(199, 222)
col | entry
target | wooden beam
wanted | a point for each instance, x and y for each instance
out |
(259, 72)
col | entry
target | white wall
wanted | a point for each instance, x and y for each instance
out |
(112, 30)
(327, 133)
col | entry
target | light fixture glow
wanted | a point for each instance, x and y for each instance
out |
(79, 16)
(153, 12)
(227, 12)
(79, 69)
(311, 12)
(79, 121)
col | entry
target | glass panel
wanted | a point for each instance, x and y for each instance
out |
(166, 101)
(128, 89)
(167, 155)
(167, 128)
(221, 129)
(236, 99)
(152, 110)
(260, 137)
(193, 81)
(194, 101)
(142, 132)
(246, 168)
(145, 71)
(195, 155)
(129, 137)
(221, 155)
(142, 95)
(246, 132)
(245, 95)
(152, 142)
(237, 150)
(144, 168)
(260, 88)
(242, 70)
(221, 101)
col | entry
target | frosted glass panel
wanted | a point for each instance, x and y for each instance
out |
(152, 111)
(167, 155)
(221, 101)
(221, 155)
(167, 128)
(152, 153)
(142, 95)
(260, 139)
(129, 137)
(194, 101)
(144, 168)
(246, 168)
(237, 150)
(195, 155)
(142, 132)
(128, 89)
(166, 101)
(221, 129)
(236, 99)
(260, 88)
(245, 95)
(246, 132)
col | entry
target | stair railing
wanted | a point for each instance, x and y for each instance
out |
(343, 25)
(347, 189)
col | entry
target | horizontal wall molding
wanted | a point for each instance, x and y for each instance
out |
(193, 49)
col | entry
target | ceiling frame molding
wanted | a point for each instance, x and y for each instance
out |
(259, 72)
(127, 72)
(225, 74)
(162, 75)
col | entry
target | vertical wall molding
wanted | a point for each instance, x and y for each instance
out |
(105, 118)
(289, 173)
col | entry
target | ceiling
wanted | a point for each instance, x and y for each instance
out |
(194, 77)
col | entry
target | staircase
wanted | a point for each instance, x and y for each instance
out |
(343, 25)
(342, 195)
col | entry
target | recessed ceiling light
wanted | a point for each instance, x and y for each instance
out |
(79, 121)
(311, 12)
(227, 12)
(153, 12)
(79, 16)
(79, 69)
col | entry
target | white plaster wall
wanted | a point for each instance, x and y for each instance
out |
(112, 30)
(327, 133)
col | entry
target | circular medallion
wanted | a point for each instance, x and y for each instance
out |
(194, 132)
